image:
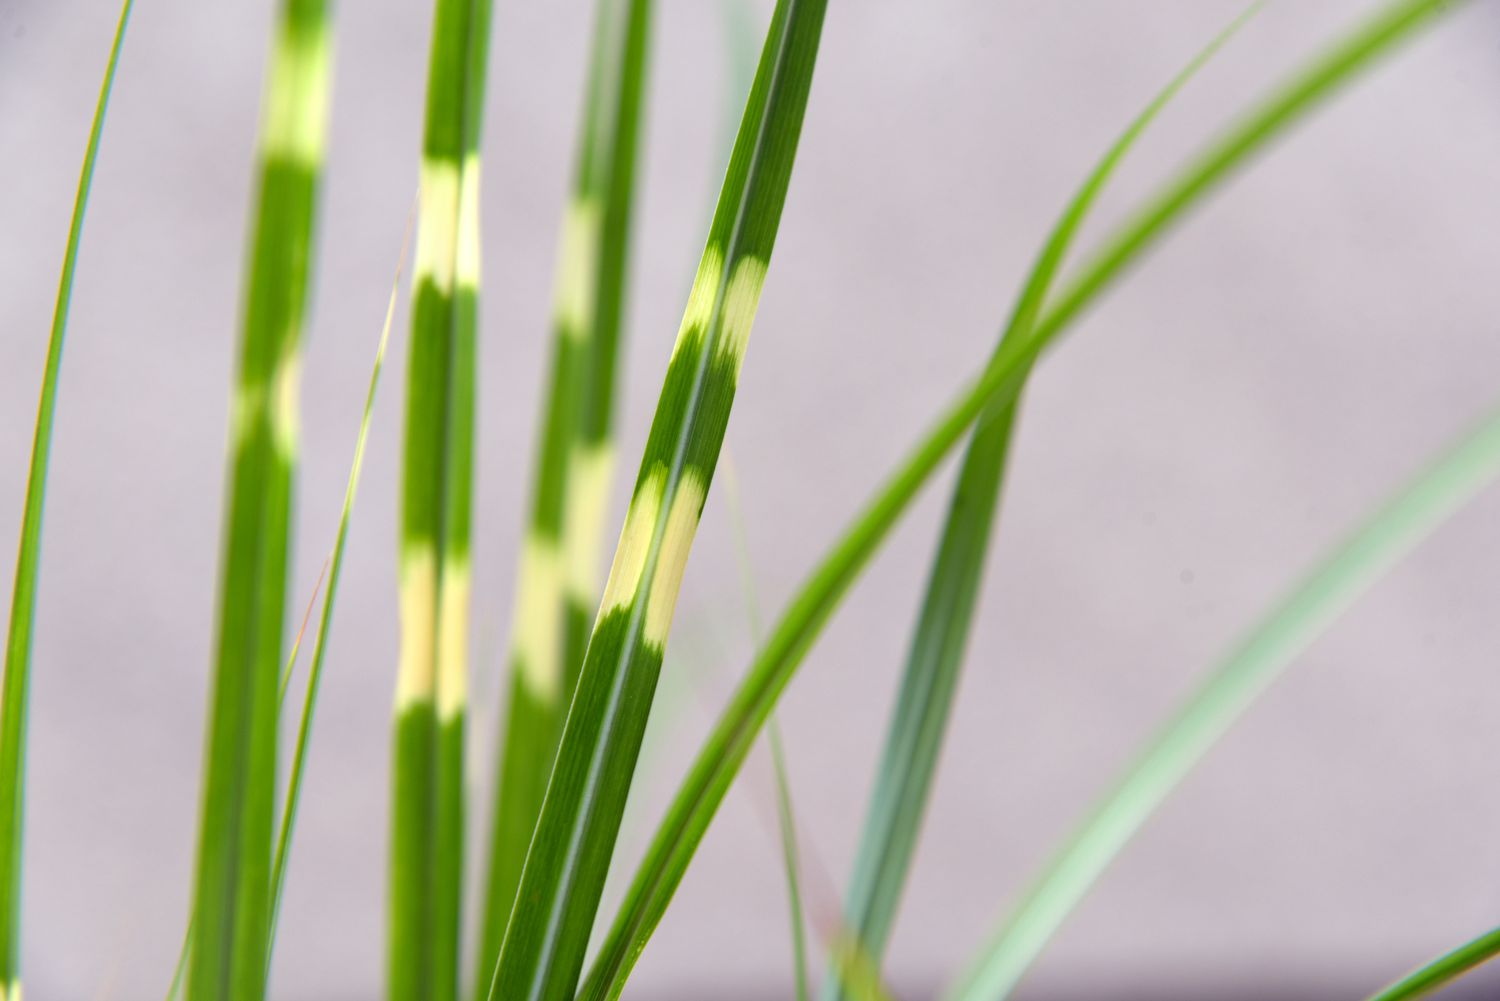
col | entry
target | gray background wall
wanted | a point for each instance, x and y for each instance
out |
(1292, 353)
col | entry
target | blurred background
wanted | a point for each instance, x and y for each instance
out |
(1280, 364)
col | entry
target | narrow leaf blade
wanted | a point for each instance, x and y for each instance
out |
(930, 678)
(1443, 970)
(558, 587)
(427, 799)
(580, 818)
(722, 754)
(14, 696)
(231, 906)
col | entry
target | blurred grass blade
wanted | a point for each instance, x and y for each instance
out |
(920, 714)
(558, 584)
(1443, 970)
(786, 819)
(333, 569)
(232, 893)
(1223, 695)
(724, 751)
(13, 701)
(575, 836)
(427, 802)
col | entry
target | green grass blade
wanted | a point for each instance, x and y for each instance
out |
(13, 699)
(427, 802)
(786, 819)
(232, 889)
(179, 974)
(558, 584)
(1443, 970)
(787, 822)
(929, 681)
(1223, 695)
(724, 751)
(291, 658)
(580, 818)
(333, 569)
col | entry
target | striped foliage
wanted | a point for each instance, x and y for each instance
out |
(18, 643)
(1443, 970)
(558, 584)
(233, 885)
(570, 851)
(431, 688)
(724, 751)
(929, 680)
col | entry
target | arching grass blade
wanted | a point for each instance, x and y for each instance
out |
(724, 751)
(333, 569)
(786, 819)
(231, 910)
(929, 681)
(14, 697)
(1225, 693)
(558, 584)
(427, 802)
(575, 836)
(1443, 970)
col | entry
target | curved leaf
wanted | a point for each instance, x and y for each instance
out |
(929, 681)
(13, 699)
(724, 751)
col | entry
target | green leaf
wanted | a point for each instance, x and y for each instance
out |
(1223, 695)
(231, 906)
(786, 819)
(1444, 969)
(575, 835)
(558, 584)
(13, 698)
(427, 799)
(920, 714)
(334, 570)
(724, 751)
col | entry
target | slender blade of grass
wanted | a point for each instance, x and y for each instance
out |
(333, 570)
(575, 835)
(427, 802)
(786, 819)
(232, 889)
(1443, 970)
(928, 683)
(1223, 695)
(14, 697)
(722, 754)
(558, 584)
(291, 658)
(787, 822)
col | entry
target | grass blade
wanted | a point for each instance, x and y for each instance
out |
(929, 681)
(232, 890)
(427, 804)
(1441, 971)
(724, 751)
(558, 584)
(580, 818)
(13, 700)
(333, 569)
(786, 820)
(1223, 695)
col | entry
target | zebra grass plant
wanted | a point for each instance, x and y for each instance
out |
(584, 659)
